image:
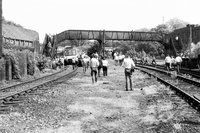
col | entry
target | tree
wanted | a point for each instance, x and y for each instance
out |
(143, 30)
(162, 29)
(175, 23)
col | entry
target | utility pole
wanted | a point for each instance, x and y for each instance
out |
(1, 42)
(190, 41)
(103, 43)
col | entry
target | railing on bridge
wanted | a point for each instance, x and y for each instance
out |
(109, 35)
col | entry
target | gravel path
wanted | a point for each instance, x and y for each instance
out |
(78, 106)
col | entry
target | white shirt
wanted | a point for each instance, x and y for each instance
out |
(178, 59)
(128, 63)
(94, 62)
(173, 60)
(105, 62)
(120, 57)
(167, 59)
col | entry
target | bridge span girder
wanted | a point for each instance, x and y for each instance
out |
(108, 35)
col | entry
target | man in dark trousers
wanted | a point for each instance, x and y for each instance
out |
(128, 64)
(94, 63)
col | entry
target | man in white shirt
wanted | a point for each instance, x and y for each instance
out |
(168, 62)
(85, 63)
(105, 66)
(94, 63)
(73, 62)
(178, 61)
(128, 64)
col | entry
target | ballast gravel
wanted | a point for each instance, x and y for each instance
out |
(78, 106)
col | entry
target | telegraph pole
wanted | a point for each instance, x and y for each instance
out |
(190, 41)
(1, 42)
(103, 43)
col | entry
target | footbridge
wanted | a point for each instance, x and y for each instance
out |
(101, 36)
(108, 35)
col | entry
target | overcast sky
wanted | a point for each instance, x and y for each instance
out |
(55, 16)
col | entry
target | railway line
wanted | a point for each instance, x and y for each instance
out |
(195, 74)
(184, 87)
(14, 94)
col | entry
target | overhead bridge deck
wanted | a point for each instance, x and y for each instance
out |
(108, 35)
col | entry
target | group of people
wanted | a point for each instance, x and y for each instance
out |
(172, 62)
(118, 57)
(96, 63)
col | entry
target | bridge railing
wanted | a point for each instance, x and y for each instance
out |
(109, 35)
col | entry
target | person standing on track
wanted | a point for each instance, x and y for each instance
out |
(173, 62)
(94, 63)
(128, 64)
(178, 61)
(168, 62)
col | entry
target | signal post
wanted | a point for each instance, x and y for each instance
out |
(1, 41)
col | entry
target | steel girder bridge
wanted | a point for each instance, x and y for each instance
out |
(102, 35)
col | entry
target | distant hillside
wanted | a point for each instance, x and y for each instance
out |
(12, 30)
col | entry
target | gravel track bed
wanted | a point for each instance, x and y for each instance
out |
(189, 88)
(8, 83)
(32, 84)
(78, 106)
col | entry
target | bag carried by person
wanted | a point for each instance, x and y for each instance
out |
(132, 68)
(128, 70)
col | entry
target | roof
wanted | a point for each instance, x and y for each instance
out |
(17, 32)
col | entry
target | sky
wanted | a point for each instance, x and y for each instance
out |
(55, 16)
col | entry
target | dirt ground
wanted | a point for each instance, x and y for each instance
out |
(78, 106)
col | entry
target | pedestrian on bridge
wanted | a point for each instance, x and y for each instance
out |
(128, 64)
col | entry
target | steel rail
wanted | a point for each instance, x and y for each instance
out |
(191, 81)
(16, 97)
(191, 100)
(193, 73)
(30, 81)
(30, 89)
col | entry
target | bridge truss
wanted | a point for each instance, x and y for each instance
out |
(101, 36)
(108, 35)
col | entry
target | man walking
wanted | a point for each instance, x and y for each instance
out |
(168, 62)
(105, 66)
(94, 63)
(128, 64)
(178, 61)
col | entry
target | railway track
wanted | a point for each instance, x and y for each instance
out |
(13, 95)
(193, 73)
(183, 87)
